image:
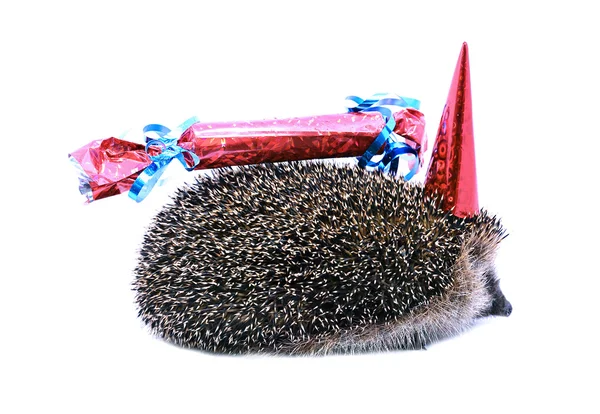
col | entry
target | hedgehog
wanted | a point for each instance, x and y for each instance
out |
(314, 258)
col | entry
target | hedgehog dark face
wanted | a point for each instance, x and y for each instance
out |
(314, 258)
(500, 306)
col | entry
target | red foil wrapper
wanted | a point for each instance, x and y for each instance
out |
(109, 167)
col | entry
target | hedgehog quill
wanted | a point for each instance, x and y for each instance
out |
(319, 258)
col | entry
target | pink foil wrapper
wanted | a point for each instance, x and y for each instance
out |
(110, 166)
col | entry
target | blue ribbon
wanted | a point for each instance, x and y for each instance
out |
(393, 149)
(167, 142)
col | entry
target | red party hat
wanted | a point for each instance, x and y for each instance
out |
(452, 174)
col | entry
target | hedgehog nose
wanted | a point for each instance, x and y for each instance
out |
(507, 309)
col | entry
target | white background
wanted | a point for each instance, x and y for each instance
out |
(73, 72)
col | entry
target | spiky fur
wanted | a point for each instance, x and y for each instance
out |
(313, 258)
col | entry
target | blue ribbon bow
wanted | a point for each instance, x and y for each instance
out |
(167, 142)
(393, 149)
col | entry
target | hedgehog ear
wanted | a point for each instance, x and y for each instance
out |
(452, 173)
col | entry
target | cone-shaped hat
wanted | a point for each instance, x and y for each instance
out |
(452, 172)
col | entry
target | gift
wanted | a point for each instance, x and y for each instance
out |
(380, 131)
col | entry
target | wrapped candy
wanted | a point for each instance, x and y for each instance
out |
(393, 126)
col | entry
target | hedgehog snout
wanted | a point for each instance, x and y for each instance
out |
(500, 306)
(507, 308)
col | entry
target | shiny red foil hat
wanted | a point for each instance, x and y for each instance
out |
(452, 173)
